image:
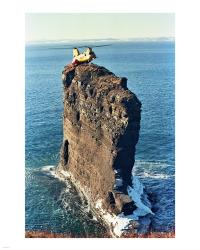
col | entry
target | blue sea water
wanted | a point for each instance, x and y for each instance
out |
(55, 206)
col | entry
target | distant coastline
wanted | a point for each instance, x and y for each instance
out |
(100, 40)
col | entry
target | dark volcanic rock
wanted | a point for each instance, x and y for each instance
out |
(101, 123)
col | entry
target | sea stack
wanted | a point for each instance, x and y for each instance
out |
(101, 123)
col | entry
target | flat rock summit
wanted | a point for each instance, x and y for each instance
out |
(101, 123)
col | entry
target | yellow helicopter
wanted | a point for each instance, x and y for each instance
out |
(87, 56)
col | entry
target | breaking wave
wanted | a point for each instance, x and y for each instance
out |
(156, 176)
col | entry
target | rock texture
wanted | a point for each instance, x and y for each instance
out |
(101, 124)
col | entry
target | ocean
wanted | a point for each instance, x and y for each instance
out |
(54, 206)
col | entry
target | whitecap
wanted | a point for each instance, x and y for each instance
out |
(156, 176)
(48, 168)
(153, 169)
(151, 164)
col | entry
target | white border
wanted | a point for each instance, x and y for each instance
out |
(12, 121)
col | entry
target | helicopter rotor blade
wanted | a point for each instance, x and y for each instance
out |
(83, 46)
(104, 45)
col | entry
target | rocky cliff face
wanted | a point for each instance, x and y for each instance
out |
(101, 123)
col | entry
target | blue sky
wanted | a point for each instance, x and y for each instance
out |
(66, 26)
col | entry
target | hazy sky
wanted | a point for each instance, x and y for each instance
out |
(96, 25)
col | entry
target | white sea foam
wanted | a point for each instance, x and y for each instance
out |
(152, 169)
(156, 176)
(136, 193)
(120, 222)
(117, 222)
(48, 168)
(151, 163)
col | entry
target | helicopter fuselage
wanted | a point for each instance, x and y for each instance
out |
(85, 57)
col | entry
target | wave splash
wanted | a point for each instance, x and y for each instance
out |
(121, 221)
(147, 174)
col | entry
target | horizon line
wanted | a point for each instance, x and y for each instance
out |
(170, 38)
